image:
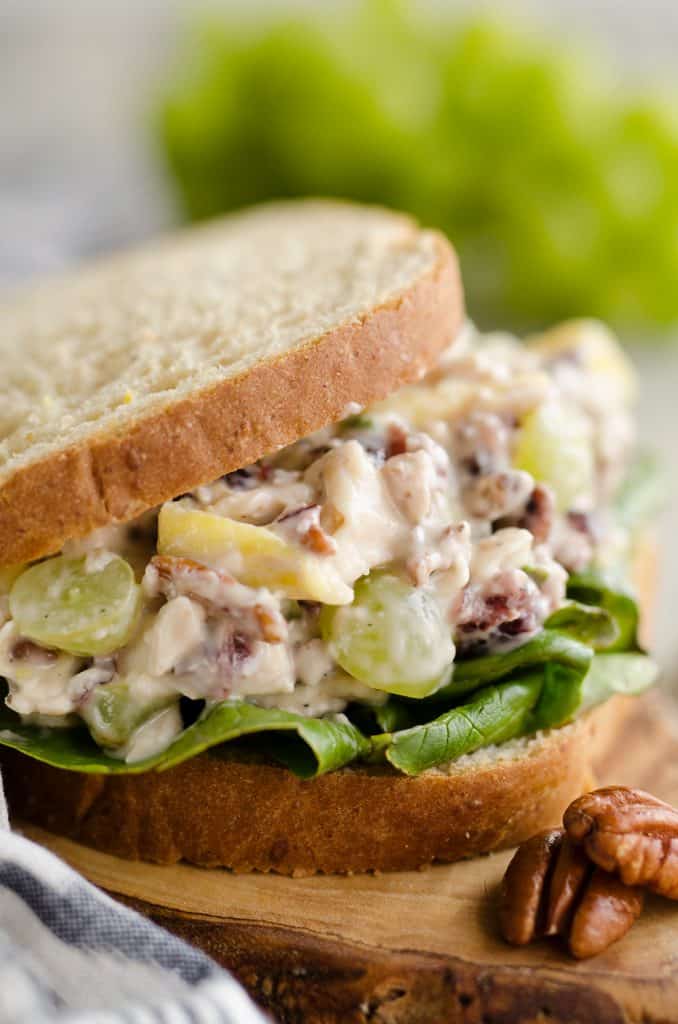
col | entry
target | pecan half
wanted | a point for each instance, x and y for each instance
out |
(629, 832)
(551, 888)
(571, 871)
(607, 910)
(523, 885)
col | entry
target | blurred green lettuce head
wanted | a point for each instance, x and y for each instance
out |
(561, 198)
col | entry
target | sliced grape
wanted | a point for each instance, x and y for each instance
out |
(554, 445)
(58, 603)
(113, 711)
(393, 636)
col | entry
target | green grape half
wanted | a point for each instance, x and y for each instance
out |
(393, 636)
(554, 445)
(113, 711)
(57, 603)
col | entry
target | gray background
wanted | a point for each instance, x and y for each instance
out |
(79, 173)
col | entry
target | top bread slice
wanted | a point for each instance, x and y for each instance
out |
(145, 375)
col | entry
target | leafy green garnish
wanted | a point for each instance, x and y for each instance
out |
(547, 646)
(560, 698)
(396, 714)
(496, 714)
(545, 698)
(308, 746)
(629, 673)
(357, 422)
(586, 623)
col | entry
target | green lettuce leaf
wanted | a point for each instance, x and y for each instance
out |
(548, 697)
(547, 646)
(560, 698)
(629, 673)
(308, 746)
(594, 588)
(496, 714)
(586, 623)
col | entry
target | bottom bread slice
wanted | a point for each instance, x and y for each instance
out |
(221, 811)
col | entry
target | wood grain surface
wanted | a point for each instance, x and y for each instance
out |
(413, 947)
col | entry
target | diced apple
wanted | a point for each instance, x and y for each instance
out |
(255, 555)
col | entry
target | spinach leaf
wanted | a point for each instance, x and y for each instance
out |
(545, 698)
(396, 715)
(586, 623)
(594, 588)
(629, 673)
(308, 746)
(566, 693)
(545, 647)
(560, 698)
(73, 749)
(496, 714)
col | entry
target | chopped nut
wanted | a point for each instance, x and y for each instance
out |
(331, 518)
(631, 833)
(607, 910)
(273, 630)
(497, 494)
(396, 440)
(539, 514)
(319, 542)
(409, 478)
(217, 592)
(305, 526)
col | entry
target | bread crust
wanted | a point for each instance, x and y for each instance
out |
(218, 811)
(115, 477)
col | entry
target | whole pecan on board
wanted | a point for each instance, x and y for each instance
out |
(552, 888)
(631, 833)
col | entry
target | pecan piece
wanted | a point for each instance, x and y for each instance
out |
(631, 833)
(497, 494)
(523, 887)
(218, 593)
(571, 871)
(304, 525)
(607, 910)
(539, 514)
(551, 888)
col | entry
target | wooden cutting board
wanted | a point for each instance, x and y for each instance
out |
(413, 947)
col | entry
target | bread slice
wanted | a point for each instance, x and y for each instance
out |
(148, 374)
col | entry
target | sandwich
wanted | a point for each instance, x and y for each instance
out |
(299, 571)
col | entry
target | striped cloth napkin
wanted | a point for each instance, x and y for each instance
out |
(70, 954)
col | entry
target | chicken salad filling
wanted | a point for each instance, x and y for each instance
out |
(349, 586)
